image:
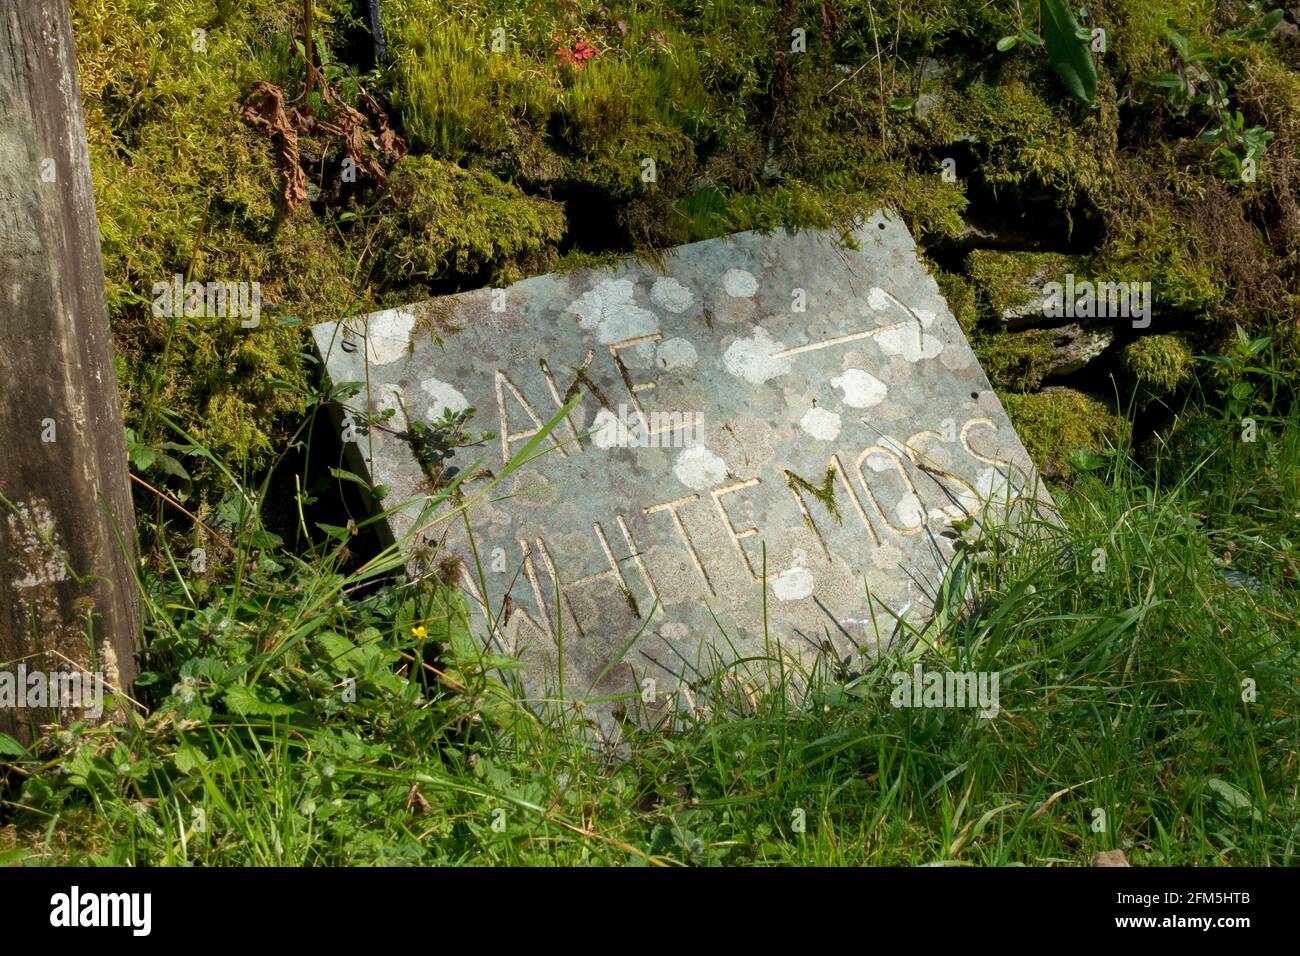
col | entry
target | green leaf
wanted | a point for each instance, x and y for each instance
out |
(1232, 159)
(1179, 43)
(343, 475)
(1067, 54)
(453, 630)
(902, 103)
(189, 758)
(10, 747)
(1006, 43)
(267, 540)
(1233, 798)
(142, 457)
(340, 651)
(243, 700)
(1085, 460)
(837, 695)
(1167, 80)
(171, 466)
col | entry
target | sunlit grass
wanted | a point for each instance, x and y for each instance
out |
(1146, 703)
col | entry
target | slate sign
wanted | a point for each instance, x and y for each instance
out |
(757, 408)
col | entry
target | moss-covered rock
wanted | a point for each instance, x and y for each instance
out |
(705, 91)
(447, 220)
(1055, 422)
(1016, 361)
(1158, 363)
(1154, 233)
(184, 187)
(522, 151)
(1030, 141)
(1009, 285)
(1136, 32)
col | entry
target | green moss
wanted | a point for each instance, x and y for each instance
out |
(450, 220)
(1056, 421)
(1005, 282)
(643, 170)
(1154, 233)
(931, 207)
(1210, 244)
(1135, 33)
(960, 295)
(1270, 93)
(456, 95)
(792, 203)
(743, 135)
(683, 87)
(703, 212)
(1015, 361)
(1030, 143)
(825, 493)
(576, 259)
(1159, 363)
(183, 186)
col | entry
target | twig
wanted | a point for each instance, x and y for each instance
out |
(182, 509)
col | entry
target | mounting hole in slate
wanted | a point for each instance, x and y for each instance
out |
(880, 225)
(974, 394)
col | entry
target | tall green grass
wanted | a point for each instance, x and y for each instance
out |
(1147, 703)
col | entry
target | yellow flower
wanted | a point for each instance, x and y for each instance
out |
(419, 631)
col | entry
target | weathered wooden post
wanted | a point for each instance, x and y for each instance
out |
(68, 598)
